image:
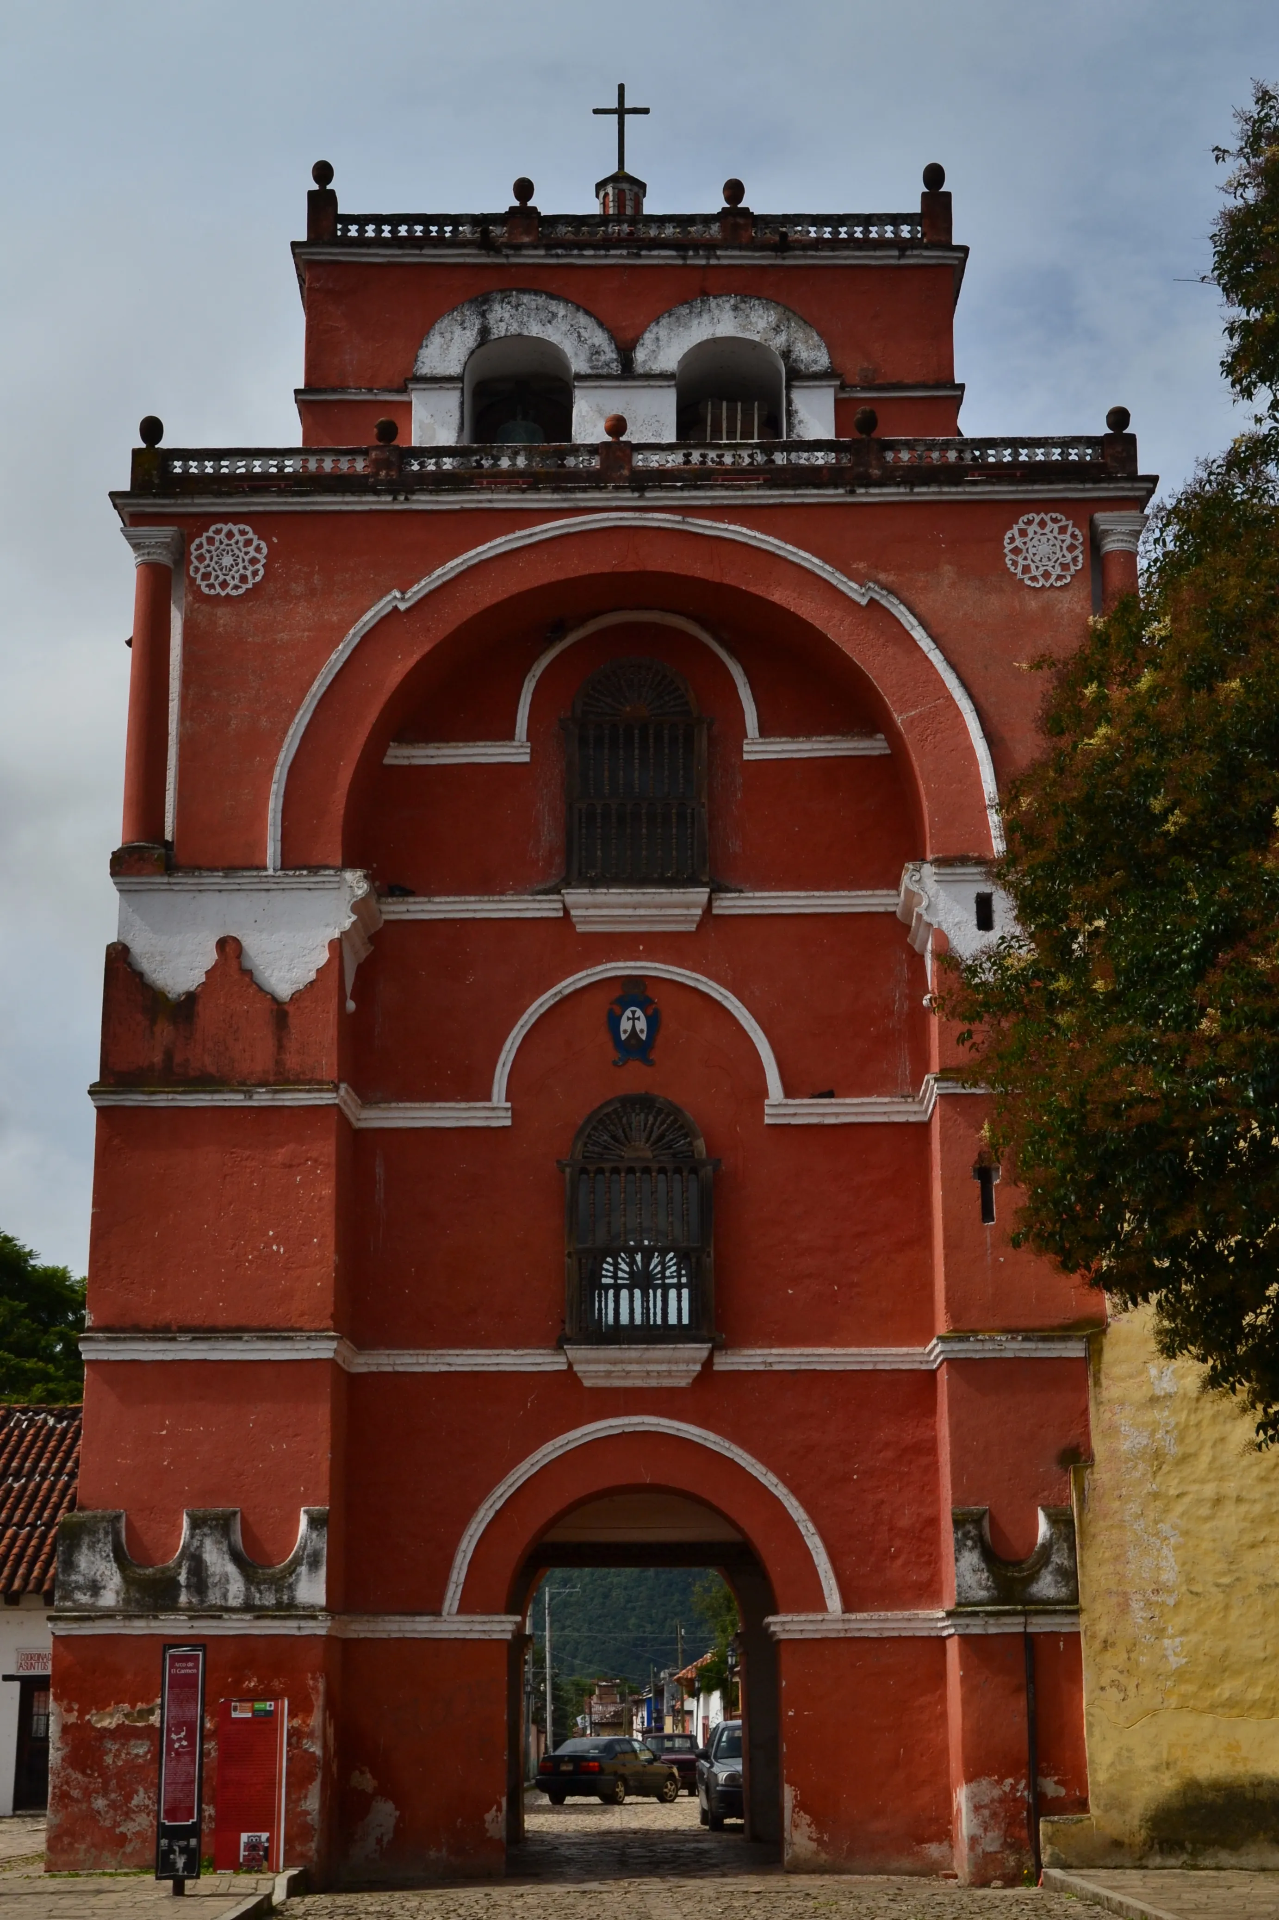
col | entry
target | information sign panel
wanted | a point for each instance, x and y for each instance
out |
(180, 1799)
(248, 1819)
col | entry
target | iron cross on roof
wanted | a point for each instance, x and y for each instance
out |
(622, 111)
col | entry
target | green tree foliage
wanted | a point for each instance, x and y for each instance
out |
(717, 1611)
(620, 1621)
(41, 1320)
(1130, 1033)
(1130, 1036)
(1245, 247)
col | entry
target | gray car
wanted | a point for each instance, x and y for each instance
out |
(719, 1777)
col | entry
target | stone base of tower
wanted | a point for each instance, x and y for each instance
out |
(902, 1755)
(105, 1740)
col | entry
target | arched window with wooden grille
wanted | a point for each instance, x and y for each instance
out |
(636, 780)
(638, 1225)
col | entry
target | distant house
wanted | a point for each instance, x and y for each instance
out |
(39, 1467)
(607, 1710)
(693, 1711)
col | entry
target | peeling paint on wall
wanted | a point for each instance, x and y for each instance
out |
(372, 1837)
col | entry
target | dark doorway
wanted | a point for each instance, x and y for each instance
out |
(31, 1773)
(638, 1529)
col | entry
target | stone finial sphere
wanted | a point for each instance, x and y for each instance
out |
(386, 431)
(1117, 419)
(734, 193)
(934, 177)
(322, 173)
(151, 428)
(523, 189)
(866, 420)
(615, 425)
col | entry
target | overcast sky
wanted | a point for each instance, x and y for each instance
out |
(155, 162)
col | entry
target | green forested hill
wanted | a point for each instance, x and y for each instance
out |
(620, 1621)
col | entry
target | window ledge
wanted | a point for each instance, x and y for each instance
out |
(636, 909)
(624, 1366)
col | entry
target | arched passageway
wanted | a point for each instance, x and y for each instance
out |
(654, 1526)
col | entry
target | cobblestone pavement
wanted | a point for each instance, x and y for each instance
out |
(643, 1861)
(21, 1838)
(640, 1861)
(27, 1892)
(1176, 1893)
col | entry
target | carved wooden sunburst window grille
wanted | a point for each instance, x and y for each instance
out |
(638, 1190)
(635, 690)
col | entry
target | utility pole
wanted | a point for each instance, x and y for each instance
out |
(546, 1632)
(679, 1668)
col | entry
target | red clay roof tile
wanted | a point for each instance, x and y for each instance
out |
(39, 1466)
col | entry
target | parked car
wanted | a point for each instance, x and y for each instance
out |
(719, 1777)
(608, 1769)
(680, 1751)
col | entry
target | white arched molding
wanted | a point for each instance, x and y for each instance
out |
(655, 618)
(607, 1430)
(585, 342)
(653, 970)
(439, 381)
(743, 316)
(807, 379)
(398, 602)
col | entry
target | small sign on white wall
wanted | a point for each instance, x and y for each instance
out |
(32, 1660)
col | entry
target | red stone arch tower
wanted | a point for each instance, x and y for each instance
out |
(337, 1412)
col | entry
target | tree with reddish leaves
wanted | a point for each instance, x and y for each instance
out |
(1129, 1033)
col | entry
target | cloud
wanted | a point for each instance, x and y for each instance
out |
(155, 161)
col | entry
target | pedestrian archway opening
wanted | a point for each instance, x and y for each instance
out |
(634, 1531)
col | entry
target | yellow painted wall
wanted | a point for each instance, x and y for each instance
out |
(1178, 1525)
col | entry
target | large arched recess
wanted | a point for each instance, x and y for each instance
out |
(573, 568)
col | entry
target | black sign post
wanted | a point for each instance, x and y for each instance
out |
(180, 1796)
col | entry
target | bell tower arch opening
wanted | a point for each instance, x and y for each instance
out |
(517, 391)
(641, 1527)
(730, 389)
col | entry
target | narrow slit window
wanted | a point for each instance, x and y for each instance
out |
(987, 1179)
(985, 904)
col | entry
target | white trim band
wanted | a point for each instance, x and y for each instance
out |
(864, 1109)
(457, 753)
(434, 1113)
(925, 1623)
(342, 1626)
(817, 746)
(967, 1346)
(864, 900)
(479, 906)
(846, 1112)
(321, 1344)
(270, 1346)
(428, 1626)
(456, 1360)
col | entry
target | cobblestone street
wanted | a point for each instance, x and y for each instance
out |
(641, 1861)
